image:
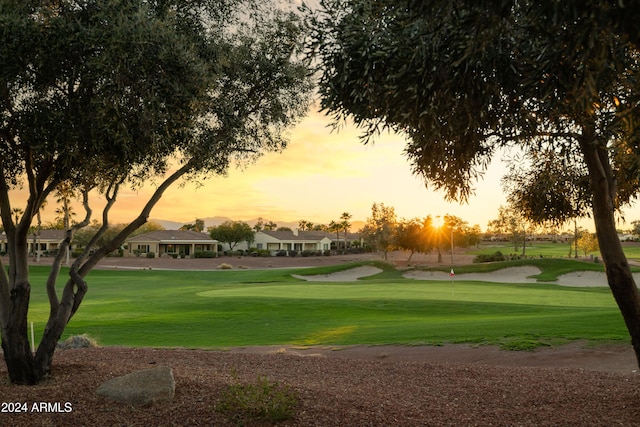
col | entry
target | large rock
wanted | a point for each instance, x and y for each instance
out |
(141, 387)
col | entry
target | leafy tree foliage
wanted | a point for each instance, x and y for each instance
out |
(198, 226)
(546, 188)
(232, 233)
(345, 225)
(462, 78)
(379, 229)
(304, 225)
(413, 235)
(98, 95)
(588, 243)
(511, 222)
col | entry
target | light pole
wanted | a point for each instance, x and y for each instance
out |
(452, 246)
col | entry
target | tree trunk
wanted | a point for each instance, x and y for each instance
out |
(619, 277)
(575, 237)
(15, 339)
(23, 366)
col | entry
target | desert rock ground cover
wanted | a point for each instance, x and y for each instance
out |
(360, 385)
(335, 391)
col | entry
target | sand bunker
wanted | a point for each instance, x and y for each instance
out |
(350, 275)
(506, 275)
(587, 278)
(519, 275)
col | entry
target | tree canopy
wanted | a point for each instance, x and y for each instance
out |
(232, 233)
(97, 95)
(462, 78)
(546, 188)
(380, 228)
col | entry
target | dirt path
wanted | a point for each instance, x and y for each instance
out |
(605, 358)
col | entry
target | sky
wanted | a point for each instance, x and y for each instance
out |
(321, 174)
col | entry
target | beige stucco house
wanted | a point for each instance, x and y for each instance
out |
(47, 242)
(170, 243)
(288, 240)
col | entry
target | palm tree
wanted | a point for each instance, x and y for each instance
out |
(336, 227)
(304, 225)
(345, 225)
(64, 193)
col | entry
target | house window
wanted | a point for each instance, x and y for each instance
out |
(143, 249)
(259, 246)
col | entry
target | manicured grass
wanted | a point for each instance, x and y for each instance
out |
(551, 268)
(236, 308)
(548, 249)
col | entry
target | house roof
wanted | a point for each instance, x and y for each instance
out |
(52, 234)
(46, 234)
(172, 236)
(302, 235)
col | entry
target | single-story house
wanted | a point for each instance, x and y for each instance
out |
(288, 240)
(47, 242)
(170, 243)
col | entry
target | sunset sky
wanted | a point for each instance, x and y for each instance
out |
(321, 174)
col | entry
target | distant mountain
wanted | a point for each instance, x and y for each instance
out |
(217, 220)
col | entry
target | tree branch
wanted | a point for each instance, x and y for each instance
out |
(142, 218)
(54, 272)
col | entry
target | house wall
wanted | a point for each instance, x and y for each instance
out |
(174, 248)
(266, 241)
(242, 246)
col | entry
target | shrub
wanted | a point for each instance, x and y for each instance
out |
(77, 341)
(264, 252)
(281, 253)
(496, 256)
(77, 252)
(264, 401)
(204, 254)
(151, 254)
(293, 253)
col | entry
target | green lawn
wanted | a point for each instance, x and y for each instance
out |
(547, 249)
(235, 308)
